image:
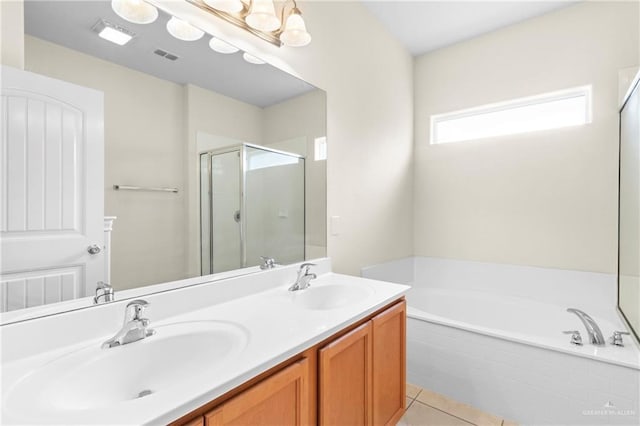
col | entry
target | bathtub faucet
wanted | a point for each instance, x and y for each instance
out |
(595, 335)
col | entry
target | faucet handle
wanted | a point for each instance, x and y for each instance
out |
(305, 267)
(138, 306)
(267, 262)
(576, 338)
(616, 339)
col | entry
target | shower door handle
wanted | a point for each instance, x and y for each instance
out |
(236, 216)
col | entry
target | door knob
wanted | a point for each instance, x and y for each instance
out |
(94, 249)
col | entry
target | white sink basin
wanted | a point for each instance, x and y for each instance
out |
(331, 296)
(94, 378)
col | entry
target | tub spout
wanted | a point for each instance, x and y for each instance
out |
(595, 335)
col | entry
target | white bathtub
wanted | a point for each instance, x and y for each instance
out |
(490, 336)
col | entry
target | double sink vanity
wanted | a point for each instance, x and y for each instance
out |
(245, 350)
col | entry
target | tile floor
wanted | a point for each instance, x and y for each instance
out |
(426, 408)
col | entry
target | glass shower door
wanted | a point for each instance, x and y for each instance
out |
(274, 206)
(220, 210)
(252, 205)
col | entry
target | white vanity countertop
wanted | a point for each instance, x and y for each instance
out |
(276, 328)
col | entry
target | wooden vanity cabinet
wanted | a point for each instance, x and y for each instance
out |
(362, 374)
(355, 377)
(281, 399)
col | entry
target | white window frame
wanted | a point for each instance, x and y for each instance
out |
(581, 91)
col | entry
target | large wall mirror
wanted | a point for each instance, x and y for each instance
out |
(629, 211)
(211, 160)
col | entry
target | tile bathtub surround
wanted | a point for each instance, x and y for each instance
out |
(425, 407)
(519, 379)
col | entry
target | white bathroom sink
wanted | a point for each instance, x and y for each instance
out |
(93, 378)
(331, 296)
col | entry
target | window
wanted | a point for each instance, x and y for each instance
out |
(547, 111)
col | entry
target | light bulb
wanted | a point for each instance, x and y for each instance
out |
(229, 6)
(295, 31)
(252, 59)
(183, 30)
(222, 46)
(136, 11)
(262, 16)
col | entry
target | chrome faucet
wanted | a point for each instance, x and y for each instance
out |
(595, 335)
(104, 291)
(304, 277)
(267, 263)
(134, 328)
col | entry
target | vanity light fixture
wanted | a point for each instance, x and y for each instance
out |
(295, 32)
(259, 17)
(222, 46)
(183, 30)
(262, 16)
(112, 32)
(136, 11)
(252, 59)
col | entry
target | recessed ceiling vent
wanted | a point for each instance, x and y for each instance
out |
(165, 54)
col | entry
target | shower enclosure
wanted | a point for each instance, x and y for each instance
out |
(251, 205)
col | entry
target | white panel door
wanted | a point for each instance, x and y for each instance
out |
(51, 191)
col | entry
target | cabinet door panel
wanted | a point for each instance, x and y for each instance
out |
(199, 421)
(389, 366)
(281, 399)
(345, 379)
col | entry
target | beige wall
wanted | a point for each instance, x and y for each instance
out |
(12, 33)
(547, 198)
(368, 78)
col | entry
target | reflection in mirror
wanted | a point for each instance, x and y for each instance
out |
(167, 107)
(254, 197)
(629, 204)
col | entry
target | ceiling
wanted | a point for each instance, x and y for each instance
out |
(69, 23)
(423, 26)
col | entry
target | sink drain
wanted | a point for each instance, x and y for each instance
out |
(145, 393)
